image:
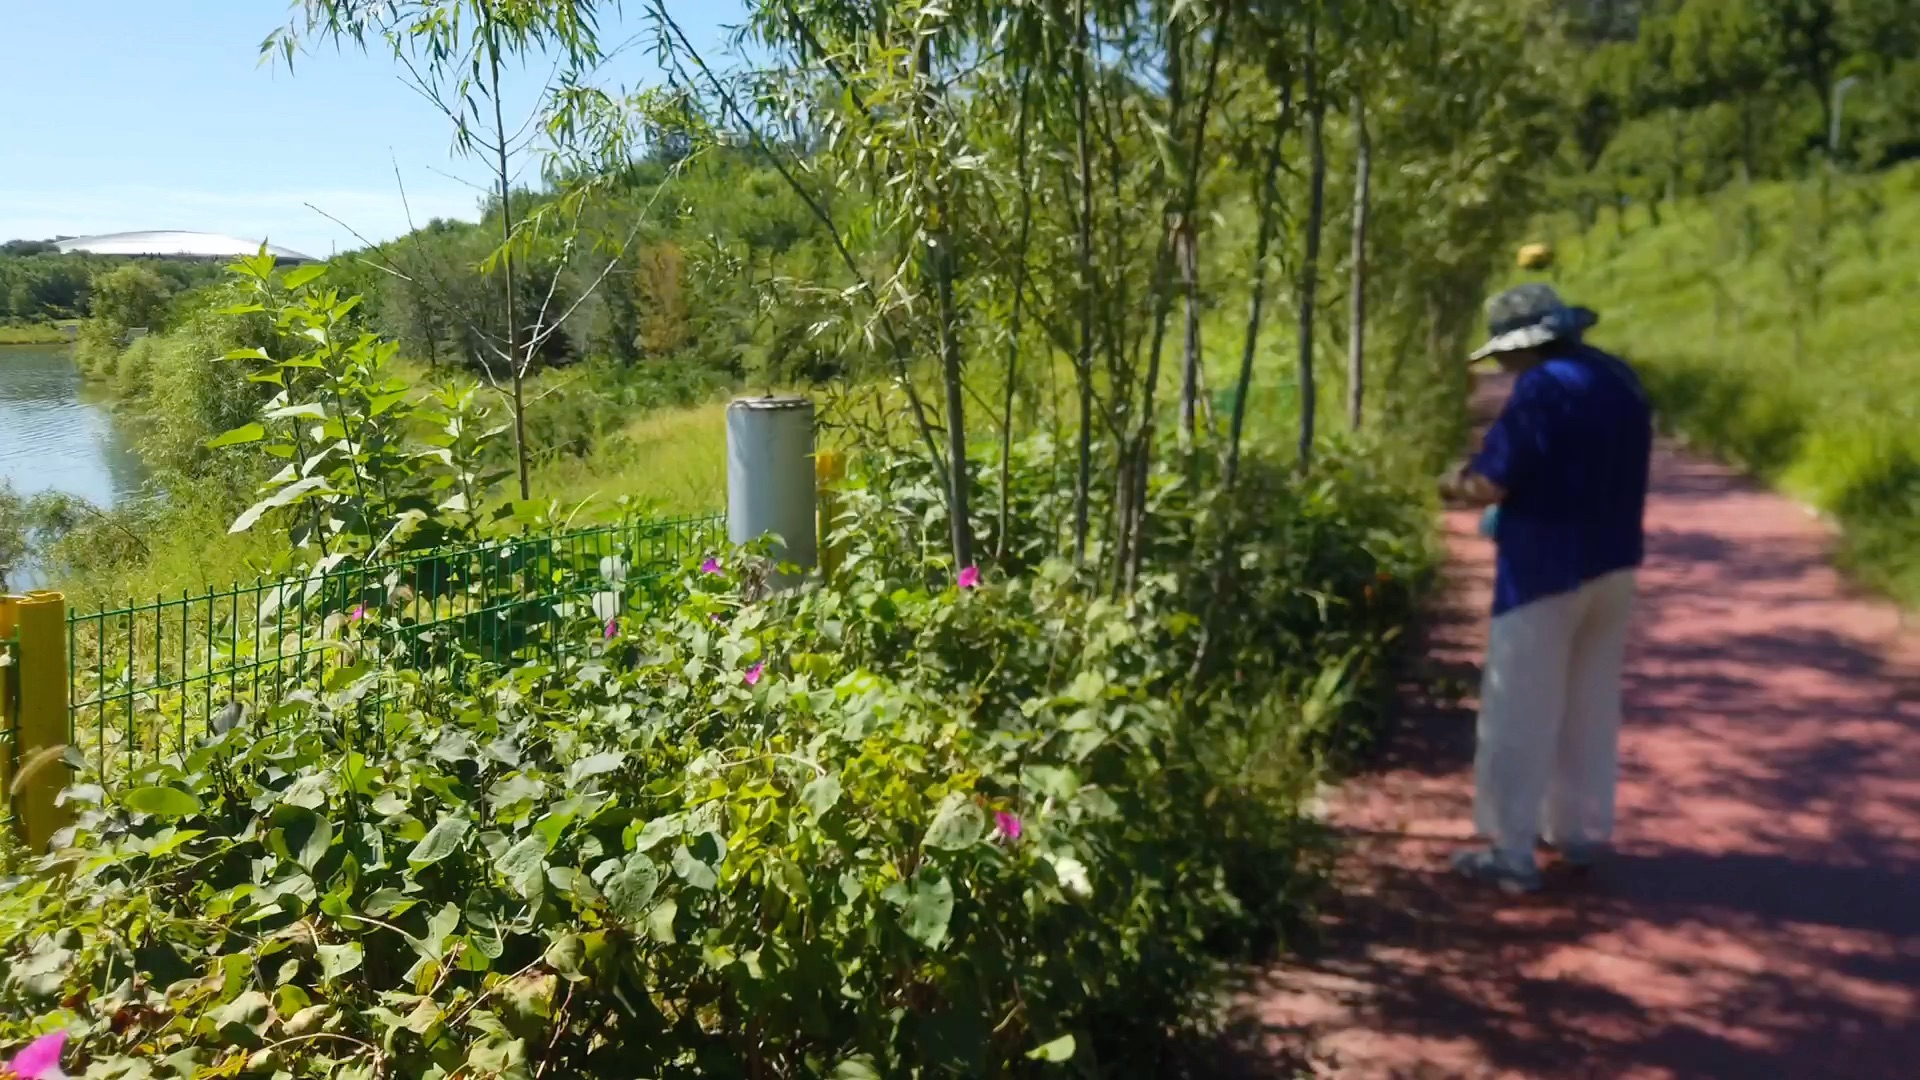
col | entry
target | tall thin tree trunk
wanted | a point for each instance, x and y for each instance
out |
(517, 365)
(1310, 266)
(958, 479)
(1133, 526)
(1256, 303)
(1083, 484)
(1188, 250)
(941, 262)
(1013, 329)
(1357, 288)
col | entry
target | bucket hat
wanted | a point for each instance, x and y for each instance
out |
(1529, 316)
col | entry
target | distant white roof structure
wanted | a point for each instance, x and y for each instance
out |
(175, 244)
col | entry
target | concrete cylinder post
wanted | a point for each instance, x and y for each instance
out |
(770, 476)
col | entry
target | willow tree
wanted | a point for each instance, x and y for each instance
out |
(458, 56)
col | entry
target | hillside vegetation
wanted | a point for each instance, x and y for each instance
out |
(1778, 328)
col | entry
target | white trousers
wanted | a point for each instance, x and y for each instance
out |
(1549, 733)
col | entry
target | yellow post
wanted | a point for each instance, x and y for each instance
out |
(9, 688)
(828, 469)
(41, 728)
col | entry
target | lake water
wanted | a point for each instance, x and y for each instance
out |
(57, 433)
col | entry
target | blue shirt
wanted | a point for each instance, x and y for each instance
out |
(1571, 448)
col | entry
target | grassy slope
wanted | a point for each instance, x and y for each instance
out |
(34, 333)
(1713, 329)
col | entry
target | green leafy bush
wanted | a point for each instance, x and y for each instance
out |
(893, 826)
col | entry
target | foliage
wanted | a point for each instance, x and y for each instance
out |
(39, 285)
(890, 827)
(1673, 98)
(370, 471)
(1774, 327)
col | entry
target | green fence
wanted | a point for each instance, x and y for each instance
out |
(147, 678)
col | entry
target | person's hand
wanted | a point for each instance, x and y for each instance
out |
(1461, 486)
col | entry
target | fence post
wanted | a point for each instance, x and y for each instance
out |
(9, 696)
(829, 468)
(40, 728)
(770, 482)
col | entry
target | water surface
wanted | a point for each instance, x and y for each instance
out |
(59, 434)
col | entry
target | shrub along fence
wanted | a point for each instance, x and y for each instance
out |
(124, 686)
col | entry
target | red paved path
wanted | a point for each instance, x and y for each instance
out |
(1763, 916)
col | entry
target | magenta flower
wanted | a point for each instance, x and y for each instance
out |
(1007, 824)
(359, 612)
(968, 578)
(40, 1060)
(613, 627)
(753, 673)
(711, 566)
(716, 617)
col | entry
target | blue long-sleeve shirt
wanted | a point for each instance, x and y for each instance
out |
(1571, 448)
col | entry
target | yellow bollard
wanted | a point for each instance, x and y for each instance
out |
(9, 692)
(829, 468)
(41, 726)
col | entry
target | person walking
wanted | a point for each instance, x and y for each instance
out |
(1566, 464)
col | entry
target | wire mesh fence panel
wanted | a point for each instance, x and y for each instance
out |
(150, 678)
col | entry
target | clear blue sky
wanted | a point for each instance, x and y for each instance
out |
(130, 114)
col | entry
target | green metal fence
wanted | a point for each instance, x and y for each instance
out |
(147, 678)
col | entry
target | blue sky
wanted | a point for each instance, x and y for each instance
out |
(129, 114)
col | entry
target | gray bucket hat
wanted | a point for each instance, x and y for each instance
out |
(1528, 316)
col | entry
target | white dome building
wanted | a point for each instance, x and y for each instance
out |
(175, 244)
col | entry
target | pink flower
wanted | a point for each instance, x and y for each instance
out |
(1007, 824)
(711, 566)
(359, 612)
(613, 627)
(40, 1060)
(753, 673)
(716, 617)
(968, 578)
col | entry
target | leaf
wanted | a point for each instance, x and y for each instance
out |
(1060, 1049)
(657, 830)
(858, 1067)
(245, 433)
(310, 409)
(660, 921)
(162, 802)
(380, 403)
(441, 841)
(524, 863)
(820, 795)
(596, 765)
(302, 275)
(338, 960)
(958, 824)
(565, 956)
(695, 873)
(929, 908)
(280, 498)
(631, 890)
(319, 839)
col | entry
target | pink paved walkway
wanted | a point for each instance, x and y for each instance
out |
(1763, 916)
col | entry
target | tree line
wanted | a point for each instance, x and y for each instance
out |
(38, 284)
(1668, 98)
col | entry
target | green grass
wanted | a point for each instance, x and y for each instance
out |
(671, 461)
(1814, 388)
(34, 333)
